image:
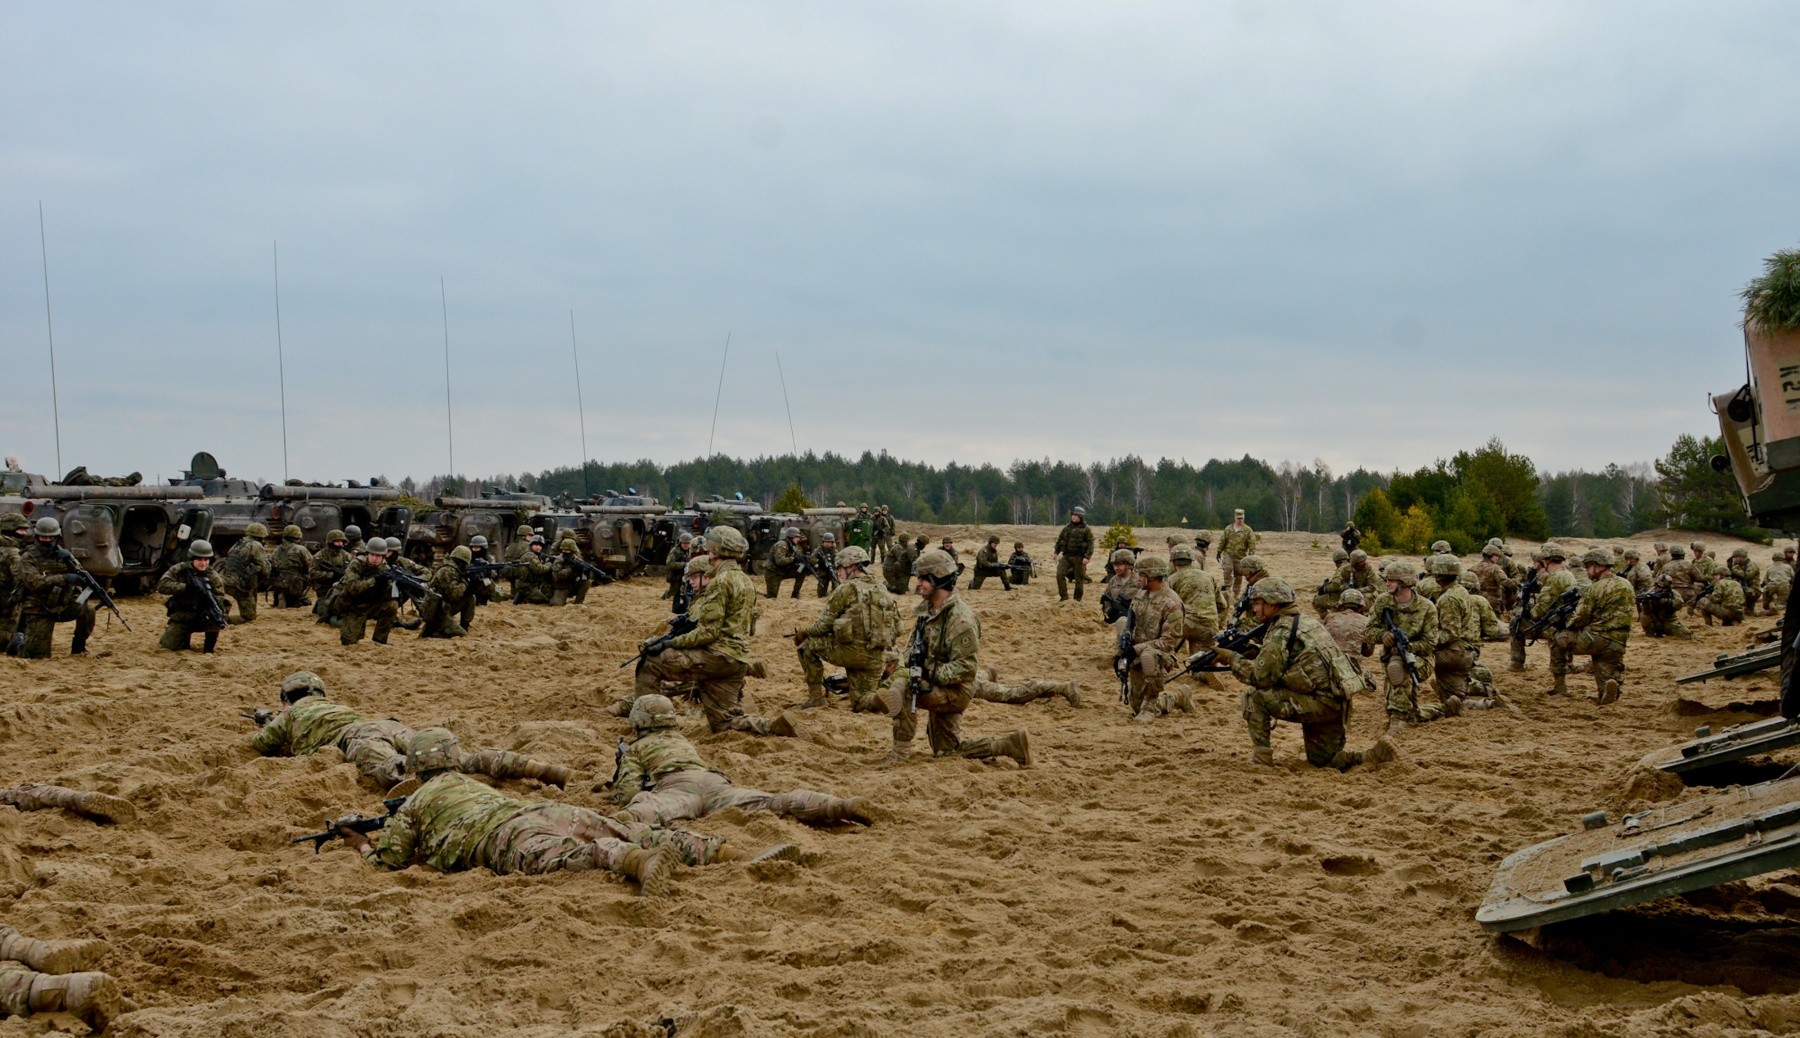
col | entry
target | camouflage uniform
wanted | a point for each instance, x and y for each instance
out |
(1551, 588)
(1600, 628)
(567, 580)
(896, 567)
(674, 564)
(1361, 575)
(884, 532)
(454, 823)
(1074, 546)
(785, 563)
(1724, 603)
(1458, 642)
(824, 564)
(1301, 676)
(714, 655)
(377, 748)
(856, 630)
(1325, 599)
(245, 570)
(289, 566)
(360, 597)
(12, 589)
(1416, 619)
(952, 638)
(1660, 615)
(989, 690)
(1682, 576)
(1201, 600)
(988, 564)
(1637, 575)
(1777, 579)
(534, 583)
(1020, 565)
(187, 607)
(1496, 584)
(1346, 627)
(1121, 587)
(662, 779)
(1157, 632)
(324, 571)
(1741, 568)
(450, 597)
(51, 596)
(1235, 542)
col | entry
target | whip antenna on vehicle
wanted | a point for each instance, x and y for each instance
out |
(716, 397)
(580, 410)
(784, 401)
(449, 419)
(281, 363)
(50, 332)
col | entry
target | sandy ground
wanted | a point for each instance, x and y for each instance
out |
(1142, 880)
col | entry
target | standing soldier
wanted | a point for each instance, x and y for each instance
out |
(362, 595)
(195, 592)
(1201, 600)
(860, 531)
(1459, 632)
(325, 570)
(1325, 599)
(53, 587)
(246, 570)
(1235, 542)
(787, 561)
(884, 531)
(676, 563)
(948, 547)
(856, 630)
(1777, 579)
(289, 566)
(1155, 631)
(824, 565)
(1350, 537)
(1121, 585)
(896, 565)
(1300, 676)
(442, 610)
(988, 564)
(1412, 614)
(15, 535)
(715, 655)
(1599, 628)
(1074, 547)
(534, 582)
(940, 668)
(1659, 614)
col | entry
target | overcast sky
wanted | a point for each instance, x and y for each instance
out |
(1368, 233)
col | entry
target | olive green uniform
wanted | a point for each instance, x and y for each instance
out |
(52, 592)
(786, 560)
(290, 565)
(662, 779)
(534, 583)
(567, 580)
(988, 564)
(673, 565)
(324, 571)
(12, 587)
(450, 598)
(1301, 676)
(896, 567)
(824, 566)
(1074, 546)
(187, 607)
(856, 630)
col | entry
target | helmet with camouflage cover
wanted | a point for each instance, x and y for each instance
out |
(1440, 547)
(1273, 590)
(257, 530)
(1467, 580)
(335, 536)
(1597, 557)
(432, 749)
(935, 564)
(567, 544)
(1173, 539)
(461, 553)
(1698, 546)
(698, 566)
(524, 530)
(1120, 555)
(1443, 565)
(200, 549)
(300, 684)
(1351, 599)
(1554, 553)
(1340, 556)
(1660, 545)
(1778, 557)
(1740, 553)
(852, 556)
(1665, 580)
(12, 521)
(1491, 551)
(1251, 564)
(48, 526)
(1018, 546)
(393, 545)
(1202, 539)
(653, 713)
(1181, 553)
(1632, 555)
(353, 532)
(1678, 552)
(1400, 573)
(1358, 556)
(726, 542)
(291, 533)
(1154, 567)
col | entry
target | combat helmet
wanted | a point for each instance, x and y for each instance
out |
(291, 533)
(1440, 547)
(1252, 563)
(524, 530)
(1181, 553)
(1121, 555)
(461, 553)
(653, 713)
(335, 536)
(432, 749)
(1153, 566)
(12, 521)
(852, 556)
(1554, 553)
(1467, 580)
(257, 530)
(937, 566)
(726, 542)
(790, 531)
(1596, 557)
(1273, 590)
(567, 544)
(1340, 556)
(49, 527)
(1078, 510)
(477, 541)
(201, 549)
(1351, 599)
(1442, 565)
(300, 684)
(353, 532)
(1358, 556)
(1400, 573)
(375, 546)
(699, 565)
(1678, 552)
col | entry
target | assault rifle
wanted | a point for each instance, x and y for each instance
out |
(1112, 607)
(587, 569)
(486, 570)
(210, 610)
(1246, 642)
(916, 655)
(1022, 567)
(1403, 646)
(335, 828)
(90, 586)
(1527, 594)
(683, 600)
(618, 763)
(1656, 594)
(679, 625)
(1554, 617)
(262, 715)
(407, 585)
(1705, 589)
(1125, 655)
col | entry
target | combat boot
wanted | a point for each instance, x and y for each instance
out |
(620, 709)
(209, 641)
(549, 774)
(98, 806)
(853, 809)
(1384, 750)
(78, 646)
(50, 956)
(1396, 724)
(1560, 686)
(731, 854)
(1609, 692)
(781, 727)
(1182, 700)
(1263, 755)
(755, 669)
(815, 698)
(1071, 692)
(652, 867)
(1017, 746)
(1453, 706)
(94, 997)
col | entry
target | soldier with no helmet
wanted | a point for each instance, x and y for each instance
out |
(52, 595)
(188, 607)
(290, 565)
(1074, 547)
(1235, 542)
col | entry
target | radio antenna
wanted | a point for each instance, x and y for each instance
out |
(50, 332)
(790, 407)
(281, 363)
(580, 409)
(718, 396)
(449, 418)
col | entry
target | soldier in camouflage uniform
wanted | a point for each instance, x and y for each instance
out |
(1235, 542)
(1201, 600)
(1347, 625)
(1325, 598)
(15, 534)
(715, 655)
(988, 564)
(1634, 571)
(246, 571)
(1554, 580)
(1459, 637)
(308, 722)
(1748, 575)
(481, 588)
(1600, 628)
(289, 566)
(787, 561)
(940, 669)
(1493, 580)
(190, 610)
(856, 630)
(989, 689)
(896, 566)
(1660, 614)
(454, 822)
(824, 565)
(1074, 547)
(1706, 564)
(325, 570)
(1777, 580)
(1362, 575)
(1416, 617)
(1252, 569)
(353, 541)
(1157, 629)
(884, 532)
(568, 581)
(676, 564)
(520, 548)
(1301, 676)
(534, 581)
(661, 778)
(1121, 585)
(56, 977)
(1682, 577)
(362, 595)
(53, 588)
(1661, 559)
(1724, 603)
(450, 596)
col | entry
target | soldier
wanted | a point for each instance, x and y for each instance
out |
(1325, 599)
(1492, 630)
(309, 722)
(988, 564)
(989, 689)
(569, 581)
(787, 561)
(940, 670)
(1659, 612)
(1155, 629)
(246, 571)
(1723, 601)
(1777, 579)
(1074, 547)
(325, 570)
(397, 560)
(1495, 584)
(353, 541)
(53, 588)
(714, 655)
(1300, 675)
(896, 565)
(481, 588)
(1416, 618)
(1684, 579)
(534, 582)
(193, 609)
(676, 563)
(1235, 542)
(1748, 576)
(453, 822)
(362, 595)
(1121, 585)
(1347, 624)
(1362, 575)
(450, 598)
(1201, 600)
(856, 630)
(860, 531)
(1554, 580)
(1202, 542)
(289, 566)
(1251, 569)
(1632, 568)
(824, 564)
(948, 547)
(1350, 537)
(884, 532)
(661, 778)
(1706, 565)
(1459, 637)
(1020, 564)
(1599, 627)
(15, 535)
(1662, 558)
(520, 548)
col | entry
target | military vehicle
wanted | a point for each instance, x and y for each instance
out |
(226, 507)
(759, 527)
(124, 534)
(496, 514)
(815, 523)
(618, 528)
